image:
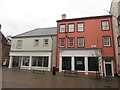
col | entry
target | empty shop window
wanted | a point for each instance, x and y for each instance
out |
(92, 63)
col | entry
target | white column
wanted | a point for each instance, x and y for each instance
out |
(30, 62)
(86, 65)
(10, 62)
(100, 65)
(112, 68)
(49, 63)
(60, 64)
(72, 63)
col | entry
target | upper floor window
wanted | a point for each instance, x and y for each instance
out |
(80, 42)
(80, 27)
(71, 28)
(119, 41)
(45, 43)
(62, 28)
(105, 25)
(62, 42)
(106, 41)
(70, 42)
(36, 42)
(118, 21)
(19, 44)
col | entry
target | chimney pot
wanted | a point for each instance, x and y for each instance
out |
(63, 16)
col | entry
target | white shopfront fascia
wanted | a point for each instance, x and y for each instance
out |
(81, 53)
(30, 54)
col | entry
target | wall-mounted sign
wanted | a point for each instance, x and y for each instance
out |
(79, 62)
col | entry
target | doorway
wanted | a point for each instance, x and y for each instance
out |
(66, 63)
(108, 69)
(108, 64)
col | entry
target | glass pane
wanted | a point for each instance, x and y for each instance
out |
(66, 63)
(34, 61)
(105, 25)
(25, 61)
(62, 42)
(79, 63)
(36, 42)
(45, 63)
(106, 41)
(19, 44)
(71, 42)
(80, 27)
(62, 28)
(71, 28)
(80, 42)
(93, 64)
(40, 60)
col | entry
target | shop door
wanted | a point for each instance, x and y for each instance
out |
(108, 69)
(66, 63)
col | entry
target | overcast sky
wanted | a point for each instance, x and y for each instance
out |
(18, 16)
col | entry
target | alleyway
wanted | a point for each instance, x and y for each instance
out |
(17, 78)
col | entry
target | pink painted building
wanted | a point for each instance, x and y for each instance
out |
(86, 45)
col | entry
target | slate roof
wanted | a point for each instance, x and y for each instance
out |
(39, 32)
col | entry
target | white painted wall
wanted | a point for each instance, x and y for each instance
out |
(28, 44)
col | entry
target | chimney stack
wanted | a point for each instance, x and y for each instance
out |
(63, 16)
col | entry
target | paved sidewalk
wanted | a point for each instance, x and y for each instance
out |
(18, 78)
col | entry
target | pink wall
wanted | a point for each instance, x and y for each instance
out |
(92, 33)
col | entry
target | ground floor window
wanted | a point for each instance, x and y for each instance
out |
(40, 61)
(92, 63)
(25, 61)
(66, 63)
(79, 63)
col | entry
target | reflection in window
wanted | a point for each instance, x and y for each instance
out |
(25, 61)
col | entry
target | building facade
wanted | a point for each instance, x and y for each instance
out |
(86, 45)
(115, 11)
(34, 49)
(4, 49)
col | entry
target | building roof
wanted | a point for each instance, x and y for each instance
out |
(83, 18)
(39, 32)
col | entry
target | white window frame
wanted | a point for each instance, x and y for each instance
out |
(82, 41)
(61, 42)
(62, 28)
(80, 27)
(36, 42)
(70, 42)
(105, 25)
(43, 60)
(44, 42)
(109, 43)
(19, 44)
(71, 27)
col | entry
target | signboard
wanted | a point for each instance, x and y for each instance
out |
(79, 62)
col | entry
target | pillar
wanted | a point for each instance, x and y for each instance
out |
(30, 62)
(60, 64)
(86, 65)
(10, 62)
(49, 63)
(72, 63)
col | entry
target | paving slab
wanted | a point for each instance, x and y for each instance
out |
(19, 78)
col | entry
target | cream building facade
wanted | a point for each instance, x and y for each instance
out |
(34, 49)
(115, 11)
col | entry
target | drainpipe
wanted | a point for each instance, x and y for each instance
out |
(51, 52)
